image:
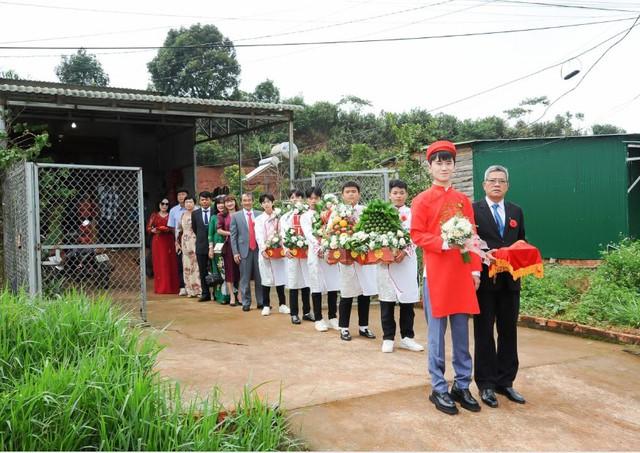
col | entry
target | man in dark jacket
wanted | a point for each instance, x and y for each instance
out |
(500, 223)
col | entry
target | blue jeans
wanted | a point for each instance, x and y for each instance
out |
(437, 327)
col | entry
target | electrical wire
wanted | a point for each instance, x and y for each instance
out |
(337, 42)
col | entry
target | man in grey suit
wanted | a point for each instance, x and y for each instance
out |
(245, 250)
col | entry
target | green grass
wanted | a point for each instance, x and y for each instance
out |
(606, 296)
(75, 376)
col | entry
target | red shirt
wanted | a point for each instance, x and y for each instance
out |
(450, 284)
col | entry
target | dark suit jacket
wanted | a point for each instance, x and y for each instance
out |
(201, 230)
(488, 230)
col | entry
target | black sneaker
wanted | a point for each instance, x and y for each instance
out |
(345, 335)
(443, 402)
(308, 317)
(295, 319)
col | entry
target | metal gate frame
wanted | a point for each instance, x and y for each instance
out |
(380, 177)
(32, 245)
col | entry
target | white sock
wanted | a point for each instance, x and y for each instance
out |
(363, 328)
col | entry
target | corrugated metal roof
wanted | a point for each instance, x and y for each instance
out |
(562, 137)
(123, 94)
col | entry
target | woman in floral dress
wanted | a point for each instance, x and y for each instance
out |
(187, 240)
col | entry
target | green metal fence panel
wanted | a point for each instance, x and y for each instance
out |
(573, 190)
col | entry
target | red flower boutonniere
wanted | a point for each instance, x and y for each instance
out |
(403, 217)
(513, 223)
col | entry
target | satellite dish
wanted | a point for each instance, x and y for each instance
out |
(282, 149)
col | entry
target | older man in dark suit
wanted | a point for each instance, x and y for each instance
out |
(500, 224)
(245, 250)
(200, 219)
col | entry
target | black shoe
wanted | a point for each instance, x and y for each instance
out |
(260, 307)
(464, 397)
(246, 308)
(366, 333)
(443, 402)
(295, 319)
(204, 299)
(511, 394)
(308, 317)
(488, 397)
(345, 335)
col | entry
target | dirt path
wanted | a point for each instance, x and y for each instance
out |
(581, 394)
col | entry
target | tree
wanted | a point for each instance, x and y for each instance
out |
(603, 129)
(82, 69)
(9, 74)
(266, 91)
(196, 62)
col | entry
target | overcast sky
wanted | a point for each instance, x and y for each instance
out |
(393, 76)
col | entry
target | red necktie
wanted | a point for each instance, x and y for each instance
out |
(252, 233)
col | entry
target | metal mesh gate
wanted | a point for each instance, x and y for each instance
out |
(374, 184)
(87, 231)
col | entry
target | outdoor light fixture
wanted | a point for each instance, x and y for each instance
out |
(73, 125)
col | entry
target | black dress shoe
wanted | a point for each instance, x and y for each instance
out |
(511, 394)
(464, 397)
(345, 335)
(366, 333)
(295, 319)
(246, 308)
(488, 397)
(204, 299)
(308, 317)
(260, 307)
(443, 402)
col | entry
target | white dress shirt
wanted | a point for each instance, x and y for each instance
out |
(501, 212)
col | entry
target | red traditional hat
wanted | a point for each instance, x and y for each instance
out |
(441, 145)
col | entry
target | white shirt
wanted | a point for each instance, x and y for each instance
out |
(501, 212)
(247, 215)
(175, 216)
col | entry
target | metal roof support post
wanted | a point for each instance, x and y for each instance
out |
(240, 164)
(3, 125)
(292, 167)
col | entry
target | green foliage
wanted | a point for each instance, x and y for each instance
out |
(202, 72)
(75, 376)
(556, 293)
(82, 69)
(603, 129)
(23, 144)
(9, 74)
(231, 176)
(609, 295)
(379, 217)
(266, 91)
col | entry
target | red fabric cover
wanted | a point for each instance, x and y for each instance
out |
(519, 259)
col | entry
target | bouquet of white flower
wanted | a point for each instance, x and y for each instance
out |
(296, 243)
(458, 231)
(274, 246)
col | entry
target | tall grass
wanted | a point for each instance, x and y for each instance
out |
(75, 376)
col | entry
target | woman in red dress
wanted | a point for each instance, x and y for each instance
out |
(163, 252)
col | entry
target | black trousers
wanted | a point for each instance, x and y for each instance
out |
(293, 301)
(203, 267)
(265, 296)
(345, 311)
(496, 366)
(389, 323)
(332, 304)
(180, 270)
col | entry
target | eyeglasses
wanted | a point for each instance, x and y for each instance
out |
(164, 204)
(497, 181)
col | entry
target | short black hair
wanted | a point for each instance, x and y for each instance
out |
(350, 184)
(182, 190)
(399, 183)
(442, 156)
(296, 192)
(313, 190)
(248, 194)
(189, 197)
(266, 196)
(204, 194)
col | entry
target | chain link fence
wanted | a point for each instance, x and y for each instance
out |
(374, 184)
(87, 231)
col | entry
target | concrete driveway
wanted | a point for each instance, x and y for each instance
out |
(581, 394)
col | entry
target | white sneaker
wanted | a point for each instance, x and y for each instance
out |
(284, 309)
(321, 326)
(266, 311)
(183, 292)
(410, 344)
(387, 345)
(333, 323)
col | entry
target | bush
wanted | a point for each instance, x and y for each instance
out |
(607, 302)
(556, 293)
(74, 376)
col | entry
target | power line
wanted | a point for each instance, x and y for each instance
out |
(526, 76)
(588, 71)
(312, 43)
(562, 5)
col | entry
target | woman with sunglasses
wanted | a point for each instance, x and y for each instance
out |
(163, 252)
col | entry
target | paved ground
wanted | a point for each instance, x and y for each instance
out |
(581, 394)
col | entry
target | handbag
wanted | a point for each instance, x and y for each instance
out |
(213, 278)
